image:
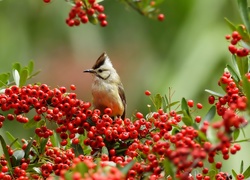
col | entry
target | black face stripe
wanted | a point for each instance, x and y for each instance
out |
(100, 61)
(98, 75)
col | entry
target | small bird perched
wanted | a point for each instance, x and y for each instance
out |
(107, 89)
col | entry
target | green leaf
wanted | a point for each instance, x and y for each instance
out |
(246, 89)
(105, 150)
(78, 150)
(210, 114)
(18, 154)
(243, 33)
(6, 153)
(32, 75)
(241, 166)
(28, 148)
(202, 136)
(31, 123)
(23, 76)
(30, 67)
(82, 168)
(16, 77)
(235, 64)
(184, 106)
(243, 8)
(242, 63)
(230, 24)
(234, 173)
(54, 140)
(247, 173)
(43, 144)
(168, 168)
(13, 140)
(17, 66)
(214, 93)
(187, 120)
(4, 79)
(233, 73)
(126, 168)
(172, 104)
(157, 101)
(236, 134)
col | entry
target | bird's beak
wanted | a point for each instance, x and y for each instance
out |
(89, 71)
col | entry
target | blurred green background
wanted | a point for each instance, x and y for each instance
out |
(186, 52)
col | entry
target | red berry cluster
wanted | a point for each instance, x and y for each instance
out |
(234, 39)
(84, 11)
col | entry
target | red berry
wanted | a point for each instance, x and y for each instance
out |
(218, 165)
(102, 17)
(190, 103)
(103, 23)
(199, 105)
(46, 1)
(161, 17)
(228, 37)
(147, 93)
(72, 87)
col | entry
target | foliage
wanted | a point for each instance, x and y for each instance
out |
(73, 141)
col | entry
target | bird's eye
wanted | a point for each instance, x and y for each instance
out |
(100, 70)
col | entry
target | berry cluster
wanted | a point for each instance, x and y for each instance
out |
(85, 11)
(234, 39)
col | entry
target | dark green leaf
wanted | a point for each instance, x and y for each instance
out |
(243, 8)
(43, 144)
(247, 173)
(6, 153)
(202, 136)
(23, 76)
(157, 101)
(28, 148)
(17, 66)
(233, 73)
(4, 79)
(236, 134)
(175, 131)
(126, 168)
(105, 150)
(230, 24)
(77, 149)
(241, 166)
(30, 67)
(210, 114)
(243, 33)
(234, 173)
(13, 140)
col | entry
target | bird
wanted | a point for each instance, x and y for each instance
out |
(107, 89)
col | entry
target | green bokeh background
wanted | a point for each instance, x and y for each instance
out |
(186, 52)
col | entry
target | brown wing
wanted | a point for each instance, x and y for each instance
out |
(123, 98)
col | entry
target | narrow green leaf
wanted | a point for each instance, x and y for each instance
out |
(17, 66)
(236, 134)
(242, 63)
(68, 175)
(187, 120)
(13, 140)
(243, 33)
(16, 77)
(158, 101)
(230, 24)
(31, 123)
(105, 150)
(6, 153)
(23, 76)
(31, 67)
(28, 148)
(210, 114)
(243, 8)
(172, 104)
(54, 140)
(82, 168)
(235, 65)
(246, 89)
(43, 144)
(126, 168)
(202, 136)
(4, 79)
(214, 93)
(234, 173)
(32, 75)
(233, 73)
(241, 166)
(247, 173)
(78, 150)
